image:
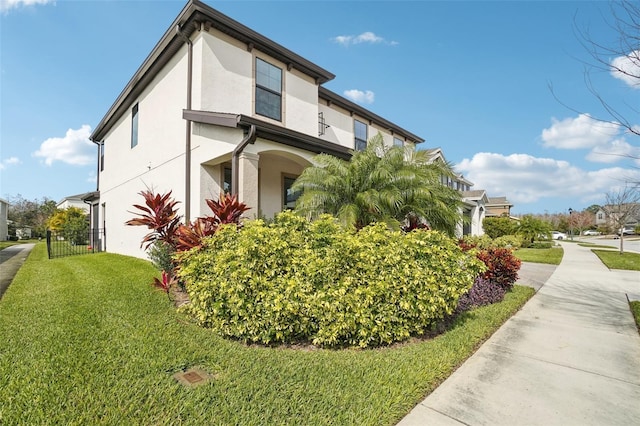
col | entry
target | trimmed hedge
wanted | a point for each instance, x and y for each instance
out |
(298, 281)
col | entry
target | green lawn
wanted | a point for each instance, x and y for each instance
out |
(593, 245)
(635, 309)
(552, 256)
(614, 260)
(87, 340)
(5, 244)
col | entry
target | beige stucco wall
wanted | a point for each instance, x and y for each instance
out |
(156, 163)
(223, 81)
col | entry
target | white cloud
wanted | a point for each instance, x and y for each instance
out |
(366, 37)
(6, 5)
(366, 97)
(613, 151)
(527, 179)
(582, 132)
(604, 140)
(9, 162)
(627, 69)
(74, 148)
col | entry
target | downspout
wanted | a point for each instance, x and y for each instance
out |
(250, 137)
(187, 139)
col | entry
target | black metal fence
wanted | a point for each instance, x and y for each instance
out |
(73, 243)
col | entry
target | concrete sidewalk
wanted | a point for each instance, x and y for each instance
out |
(571, 356)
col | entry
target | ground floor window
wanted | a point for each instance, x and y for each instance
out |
(226, 179)
(289, 196)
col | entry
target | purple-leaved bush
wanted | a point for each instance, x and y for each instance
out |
(483, 292)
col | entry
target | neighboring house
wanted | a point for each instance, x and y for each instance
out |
(474, 201)
(601, 217)
(607, 214)
(4, 227)
(474, 211)
(23, 233)
(499, 206)
(218, 107)
(77, 201)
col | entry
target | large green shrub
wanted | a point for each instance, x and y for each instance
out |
(297, 281)
(498, 226)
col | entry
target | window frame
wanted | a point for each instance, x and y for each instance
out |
(223, 180)
(262, 88)
(134, 125)
(102, 156)
(360, 144)
(288, 177)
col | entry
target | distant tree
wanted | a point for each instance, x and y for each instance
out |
(498, 226)
(33, 213)
(72, 222)
(532, 229)
(579, 221)
(622, 205)
(620, 59)
(593, 209)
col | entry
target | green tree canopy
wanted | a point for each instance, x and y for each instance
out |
(380, 184)
(532, 228)
(498, 226)
(33, 213)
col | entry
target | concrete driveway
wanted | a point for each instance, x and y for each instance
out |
(11, 259)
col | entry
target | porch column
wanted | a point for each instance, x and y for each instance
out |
(248, 181)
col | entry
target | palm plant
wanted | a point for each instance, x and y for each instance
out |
(379, 184)
(531, 229)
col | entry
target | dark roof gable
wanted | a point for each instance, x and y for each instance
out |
(194, 16)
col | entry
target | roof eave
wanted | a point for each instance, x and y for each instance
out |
(189, 19)
(328, 95)
(269, 131)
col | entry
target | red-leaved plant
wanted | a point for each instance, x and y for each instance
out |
(226, 210)
(159, 215)
(502, 265)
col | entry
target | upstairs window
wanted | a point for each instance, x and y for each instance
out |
(268, 90)
(102, 156)
(134, 126)
(360, 133)
(398, 142)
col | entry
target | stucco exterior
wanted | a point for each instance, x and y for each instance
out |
(185, 143)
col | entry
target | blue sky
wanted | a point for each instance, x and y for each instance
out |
(470, 77)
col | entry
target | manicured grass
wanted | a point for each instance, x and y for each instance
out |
(551, 256)
(5, 244)
(87, 340)
(635, 309)
(592, 245)
(614, 260)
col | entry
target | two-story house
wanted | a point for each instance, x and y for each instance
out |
(216, 107)
(78, 201)
(499, 206)
(474, 201)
